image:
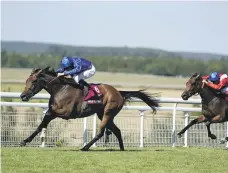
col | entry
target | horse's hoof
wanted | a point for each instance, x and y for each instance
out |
(179, 135)
(23, 143)
(84, 149)
(212, 136)
(222, 141)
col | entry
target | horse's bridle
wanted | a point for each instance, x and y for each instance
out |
(196, 94)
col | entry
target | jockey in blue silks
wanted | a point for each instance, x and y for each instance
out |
(78, 68)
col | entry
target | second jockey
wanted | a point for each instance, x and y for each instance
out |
(77, 67)
(217, 81)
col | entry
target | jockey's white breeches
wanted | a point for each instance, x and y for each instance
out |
(85, 74)
(224, 90)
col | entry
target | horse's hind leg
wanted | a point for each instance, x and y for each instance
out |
(198, 120)
(117, 133)
(105, 120)
(217, 119)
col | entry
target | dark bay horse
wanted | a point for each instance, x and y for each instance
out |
(214, 105)
(67, 102)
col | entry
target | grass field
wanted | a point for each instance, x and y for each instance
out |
(149, 160)
(104, 77)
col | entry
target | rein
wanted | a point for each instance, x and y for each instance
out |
(53, 80)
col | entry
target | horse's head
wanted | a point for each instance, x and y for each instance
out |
(193, 86)
(34, 84)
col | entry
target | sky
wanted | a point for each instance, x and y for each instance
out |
(174, 26)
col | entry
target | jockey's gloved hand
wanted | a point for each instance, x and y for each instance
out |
(205, 81)
(60, 74)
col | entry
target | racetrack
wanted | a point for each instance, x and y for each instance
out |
(102, 160)
(106, 160)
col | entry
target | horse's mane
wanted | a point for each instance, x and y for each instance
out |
(51, 72)
(62, 79)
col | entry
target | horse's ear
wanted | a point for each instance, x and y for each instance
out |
(198, 76)
(34, 70)
(52, 70)
(194, 75)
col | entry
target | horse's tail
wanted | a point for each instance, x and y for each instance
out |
(147, 98)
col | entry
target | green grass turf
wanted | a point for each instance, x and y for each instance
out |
(103, 160)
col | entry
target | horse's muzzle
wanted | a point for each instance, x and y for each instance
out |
(24, 98)
(184, 96)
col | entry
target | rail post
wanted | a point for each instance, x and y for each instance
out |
(174, 125)
(186, 119)
(94, 128)
(226, 133)
(85, 131)
(141, 128)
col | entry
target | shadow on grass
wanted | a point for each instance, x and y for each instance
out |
(103, 150)
(117, 150)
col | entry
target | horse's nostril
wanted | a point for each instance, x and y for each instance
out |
(184, 96)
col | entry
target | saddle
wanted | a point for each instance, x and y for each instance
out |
(92, 94)
(222, 95)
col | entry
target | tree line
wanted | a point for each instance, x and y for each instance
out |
(161, 65)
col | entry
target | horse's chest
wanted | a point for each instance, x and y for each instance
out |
(211, 109)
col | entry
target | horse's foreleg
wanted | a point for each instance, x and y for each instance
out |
(46, 120)
(210, 135)
(198, 120)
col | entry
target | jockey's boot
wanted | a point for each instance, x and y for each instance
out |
(83, 83)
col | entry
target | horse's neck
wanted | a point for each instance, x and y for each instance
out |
(51, 89)
(52, 85)
(206, 95)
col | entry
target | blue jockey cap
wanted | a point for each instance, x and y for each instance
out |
(66, 62)
(214, 77)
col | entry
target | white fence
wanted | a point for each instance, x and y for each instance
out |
(138, 126)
